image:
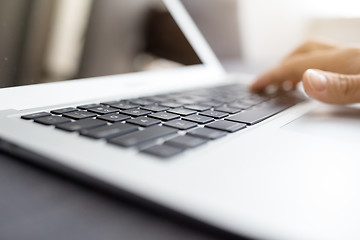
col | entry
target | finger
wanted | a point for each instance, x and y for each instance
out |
(310, 46)
(270, 77)
(290, 71)
(331, 87)
(337, 60)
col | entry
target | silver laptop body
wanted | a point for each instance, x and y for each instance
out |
(295, 175)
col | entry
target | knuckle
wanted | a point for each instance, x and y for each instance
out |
(349, 59)
(307, 45)
(311, 42)
(352, 51)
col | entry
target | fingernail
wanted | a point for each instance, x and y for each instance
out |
(316, 81)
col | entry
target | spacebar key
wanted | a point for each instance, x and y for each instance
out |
(259, 113)
(139, 137)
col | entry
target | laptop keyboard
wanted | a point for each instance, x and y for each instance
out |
(168, 124)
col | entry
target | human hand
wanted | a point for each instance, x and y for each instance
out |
(330, 73)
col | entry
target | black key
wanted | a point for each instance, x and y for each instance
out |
(114, 117)
(155, 108)
(226, 126)
(144, 121)
(139, 137)
(164, 116)
(63, 110)
(225, 99)
(35, 115)
(198, 119)
(180, 124)
(198, 99)
(88, 106)
(158, 99)
(141, 102)
(162, 151)
(197, 107)
(207, 133)
(103, 110)
(171, 104)
(260, 98)
(214, 114)
(226, 109)
(185, 100)
(245, 95)
(52, 120)
(124, 106)
(136, 112)
(252, 100)
(182, 111)
(212, 104)
(81, 124)
(77, 115)
(239, 104)
(109, 131)
(185, 142)
(259, 113)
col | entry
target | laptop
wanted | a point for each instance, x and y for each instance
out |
(194, 141)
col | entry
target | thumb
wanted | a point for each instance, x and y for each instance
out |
(331, 87)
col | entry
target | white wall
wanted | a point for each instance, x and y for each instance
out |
(270, 29)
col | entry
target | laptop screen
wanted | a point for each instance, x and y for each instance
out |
(47, 41)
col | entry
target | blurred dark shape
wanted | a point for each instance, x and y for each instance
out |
(164, 39)
(24, 31)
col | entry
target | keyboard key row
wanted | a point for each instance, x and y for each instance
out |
(134, 122)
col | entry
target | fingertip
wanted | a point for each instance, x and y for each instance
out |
(259, 84)
(315, 85)
(305, 80)
(314, 82)
(255, 87)
(330, 87)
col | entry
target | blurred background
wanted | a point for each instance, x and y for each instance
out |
(270, 29)
(53, 40)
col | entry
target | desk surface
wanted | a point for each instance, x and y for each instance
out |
(38, 204)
